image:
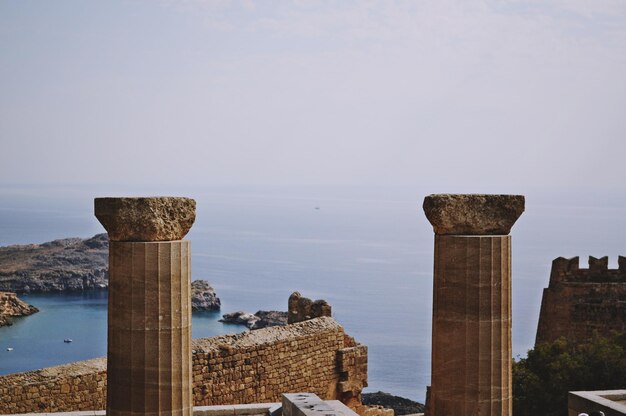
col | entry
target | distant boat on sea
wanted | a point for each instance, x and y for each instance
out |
(9, 349)
(67, 340)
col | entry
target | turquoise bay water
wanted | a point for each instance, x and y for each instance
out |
(38, 340)
(368, 252)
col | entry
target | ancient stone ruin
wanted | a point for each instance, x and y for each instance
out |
(299, 308)
(302, 309)
(580, 302)
(315, 356)
(153, 367)
(149, 320)
(471, 340)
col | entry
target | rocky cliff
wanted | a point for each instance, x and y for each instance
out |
(11, 306)
(71, 264)
(261, 319)
(203, 297)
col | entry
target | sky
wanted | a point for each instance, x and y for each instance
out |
(477, 95)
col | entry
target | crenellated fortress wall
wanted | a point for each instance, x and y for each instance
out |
(581, 301)
(568, 270)
(251, 367)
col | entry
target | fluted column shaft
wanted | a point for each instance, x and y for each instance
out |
(149, 336)
(471, 352)
(149, 327)
(471, 360)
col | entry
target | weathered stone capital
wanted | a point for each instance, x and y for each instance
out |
(146, 218)
(473, 214)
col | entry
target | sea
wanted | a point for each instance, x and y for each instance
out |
(367, 251)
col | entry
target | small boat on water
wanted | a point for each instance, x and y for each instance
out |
(67, 340)
(9, 349)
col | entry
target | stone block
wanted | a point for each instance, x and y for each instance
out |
(309, 404)
(146, 218)
(473, 214)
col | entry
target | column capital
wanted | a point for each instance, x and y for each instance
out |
(473, 214)
(146, 218)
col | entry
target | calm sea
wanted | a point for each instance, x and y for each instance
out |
(369, 252)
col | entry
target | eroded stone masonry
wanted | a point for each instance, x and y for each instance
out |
(579, 301)
(252, 367)
(302, 309)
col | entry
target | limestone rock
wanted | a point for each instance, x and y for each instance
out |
(473, 214)
(203, 297)
(146, 218)
(240, 317)
(400, 405)
(12, 306)
(70, 264)
(261, 319)
(270, 318)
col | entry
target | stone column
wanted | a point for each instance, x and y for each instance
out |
(149, 317)
(471, 340)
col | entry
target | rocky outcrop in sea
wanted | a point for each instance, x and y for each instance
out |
(261, 319)
(203, 297)
(300, 309)
(70, 264)
(12, 306)
(270, 318)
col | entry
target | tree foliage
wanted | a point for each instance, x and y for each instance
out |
(541, 381)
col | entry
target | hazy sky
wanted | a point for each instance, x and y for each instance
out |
(484, 94)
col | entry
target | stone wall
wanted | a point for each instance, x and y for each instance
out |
(352, 366)
(75, 386)
(579, 302)
(252, 367)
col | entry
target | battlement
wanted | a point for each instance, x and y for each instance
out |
(579, 302)
(568, 270)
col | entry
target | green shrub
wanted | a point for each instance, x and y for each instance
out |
(541, 381)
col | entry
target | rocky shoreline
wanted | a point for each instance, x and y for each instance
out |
(11, 306)
(66, 265)
(74, 265)
(400, 405)
(203, 297)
